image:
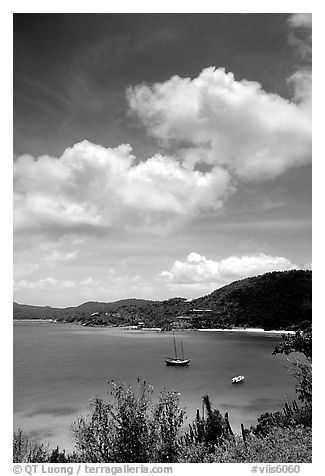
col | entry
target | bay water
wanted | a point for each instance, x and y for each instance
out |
(59, 368)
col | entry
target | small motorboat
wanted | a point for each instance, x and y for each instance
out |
(237, 379)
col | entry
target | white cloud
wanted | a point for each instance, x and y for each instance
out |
(88, 282)
(302, 83)
(69, 284)
(301, 20)
(223, 122)
(234, 128)
(300, 37)
(93, 187)
(117, 286)
(46, 283)
(24, 269)
(61, 256)
(234, 266)
(198, 270)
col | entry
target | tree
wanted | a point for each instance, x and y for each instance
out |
(301, 342)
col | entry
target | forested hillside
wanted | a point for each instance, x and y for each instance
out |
(273, 300)
(277, 300)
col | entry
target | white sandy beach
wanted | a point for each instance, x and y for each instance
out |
(250, 329)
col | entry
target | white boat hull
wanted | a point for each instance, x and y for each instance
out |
(177, 362)
(237, 379)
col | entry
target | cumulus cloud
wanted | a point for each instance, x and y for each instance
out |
(302, 84)
(300, 37)
(301, 20)
(222, 122)
(198, 270)
(93, 187)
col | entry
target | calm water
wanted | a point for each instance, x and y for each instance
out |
(58, 368)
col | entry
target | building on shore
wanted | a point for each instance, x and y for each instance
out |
(182, 322)
(192, 318)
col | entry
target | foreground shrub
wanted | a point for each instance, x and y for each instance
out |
(281, 445)
(210, 429)
(292, 416)
(168, 419)
(27, 451)
(131, 430)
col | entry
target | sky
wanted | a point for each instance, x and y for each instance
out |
(158, 155)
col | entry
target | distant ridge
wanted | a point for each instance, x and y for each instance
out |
(277, 300)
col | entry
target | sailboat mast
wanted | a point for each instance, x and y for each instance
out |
(175, 346)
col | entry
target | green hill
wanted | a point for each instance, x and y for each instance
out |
(277, 300)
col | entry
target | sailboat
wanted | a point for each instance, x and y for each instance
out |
(176, 361)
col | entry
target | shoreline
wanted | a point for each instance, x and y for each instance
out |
(249, 329)
(34, 320)
(256, 330)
